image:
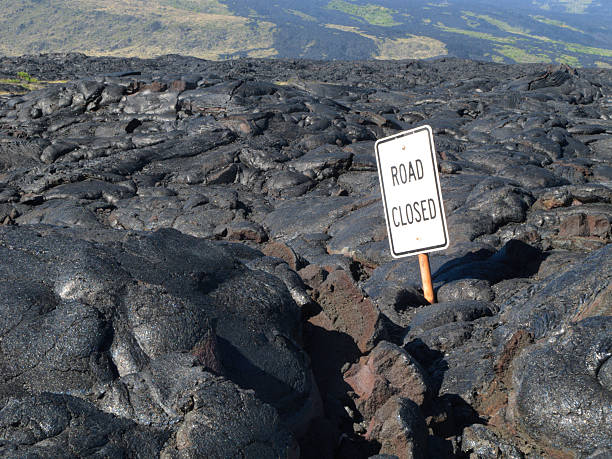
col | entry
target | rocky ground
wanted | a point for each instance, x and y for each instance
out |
(194, 262)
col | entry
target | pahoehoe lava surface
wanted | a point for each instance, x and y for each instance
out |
(194, 261)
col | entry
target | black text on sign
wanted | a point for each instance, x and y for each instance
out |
(410, 186)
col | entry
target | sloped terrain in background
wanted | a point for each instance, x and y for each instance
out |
(574, 32)
(205, 28)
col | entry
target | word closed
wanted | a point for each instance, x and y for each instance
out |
(410, 187)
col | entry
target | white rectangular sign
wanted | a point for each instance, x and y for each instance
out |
(410, 186)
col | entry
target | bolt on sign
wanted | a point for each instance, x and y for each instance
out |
(410, 186)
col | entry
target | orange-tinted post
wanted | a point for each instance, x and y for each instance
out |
(428, 290)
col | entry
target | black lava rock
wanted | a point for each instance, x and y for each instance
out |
(182, 240)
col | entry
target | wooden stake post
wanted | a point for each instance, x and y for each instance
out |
(428, 291)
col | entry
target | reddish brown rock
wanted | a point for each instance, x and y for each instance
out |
(494, 400)
(239, 126)
(246, 231)
(553, 199)
(400, 429)
(178, 86)
(207, 354)
(155, 86)
(585, 225)
(284, 252)
(313, 276)
(574, 225)
(350, 311)
(321, 320)
(598, 225)
(387, 371)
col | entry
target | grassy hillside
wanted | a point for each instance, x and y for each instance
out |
(524, 45)
(409, 47)
(372, 14)
(203, 28)
(575, 32)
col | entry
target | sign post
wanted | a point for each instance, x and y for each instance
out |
(428, 291)
(410, 187)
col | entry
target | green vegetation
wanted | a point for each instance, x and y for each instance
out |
(410, 47)
(554, 22)
(26, 77)
(198, 6)
(523, 37)
(497, 23)
(470, 22)
(504, 26)
(520, 55)
(576, 6)
(571, 6)
(588, 50)
(372, 14)
(304, 16)
(569, 60)
(474, 34)
(25, 81)
(202, 28)
(213, 29)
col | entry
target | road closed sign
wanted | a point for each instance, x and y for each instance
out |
(410, 186)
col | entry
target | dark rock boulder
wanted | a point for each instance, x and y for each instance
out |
(481, 442)
(123, 301)
(579, 292)
(175, 389)
(429, 317)
(344, 304)
(63, 426)
(568, 409)
(386, 372)
(400, 428)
